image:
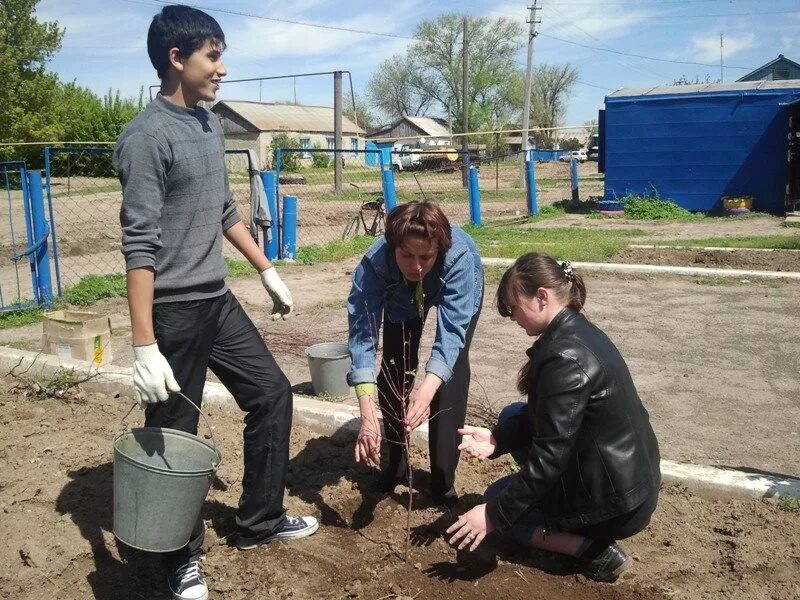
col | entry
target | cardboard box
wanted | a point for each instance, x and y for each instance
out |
(77, 334)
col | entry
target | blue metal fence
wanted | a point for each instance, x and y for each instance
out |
(27, 240)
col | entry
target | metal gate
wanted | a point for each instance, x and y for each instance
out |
(25, 279)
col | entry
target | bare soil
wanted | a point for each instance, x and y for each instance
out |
(56, 506)
(778, 260)
(714, 359)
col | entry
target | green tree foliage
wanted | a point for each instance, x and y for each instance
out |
(28, 91)
(427, 79)
(572, 143)
(290, 161)
(35, 106)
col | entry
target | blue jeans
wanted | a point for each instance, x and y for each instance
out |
(522, 531)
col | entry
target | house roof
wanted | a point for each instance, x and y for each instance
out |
(781, 58)
(429, 126)
(706, 88)
(265, 116)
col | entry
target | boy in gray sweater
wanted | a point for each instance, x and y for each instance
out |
(176, 207)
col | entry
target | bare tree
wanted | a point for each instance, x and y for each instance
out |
(395, 89)
(493, 43)
(359, 112)
(552, 86)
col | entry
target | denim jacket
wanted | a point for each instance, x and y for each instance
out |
(454, 285)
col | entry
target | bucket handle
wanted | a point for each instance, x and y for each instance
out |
(197, 408)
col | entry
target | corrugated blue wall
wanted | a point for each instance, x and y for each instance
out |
(695, 149)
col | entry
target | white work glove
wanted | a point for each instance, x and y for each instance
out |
(152, 375)
(282, 303)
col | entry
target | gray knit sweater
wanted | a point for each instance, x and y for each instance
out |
(176, 201)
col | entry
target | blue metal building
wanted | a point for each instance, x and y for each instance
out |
(696, 144)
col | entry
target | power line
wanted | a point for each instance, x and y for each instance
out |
(709, 16)
(291, 21)
(642, 56)
(621, 61)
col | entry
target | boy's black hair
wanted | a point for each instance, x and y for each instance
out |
(181, 27)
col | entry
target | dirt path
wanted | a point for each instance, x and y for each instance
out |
(55, 501)
(714, 360)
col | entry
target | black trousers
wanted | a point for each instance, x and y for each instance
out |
(448, 409)
(217, 334)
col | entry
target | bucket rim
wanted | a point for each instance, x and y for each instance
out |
(345, 352)
(157, 469)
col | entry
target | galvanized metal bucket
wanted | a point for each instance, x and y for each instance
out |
(161, 479)
(329, 364)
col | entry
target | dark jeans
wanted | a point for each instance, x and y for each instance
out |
(599, 535)
(448, 409)
(217, 334)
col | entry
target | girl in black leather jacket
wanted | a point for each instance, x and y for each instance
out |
(589, 461)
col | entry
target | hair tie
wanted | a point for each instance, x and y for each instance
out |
(566, 266)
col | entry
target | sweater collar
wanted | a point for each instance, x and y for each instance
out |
(183, 112)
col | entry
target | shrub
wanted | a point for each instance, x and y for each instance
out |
(648, 208)
(320, 160)
(290, 161)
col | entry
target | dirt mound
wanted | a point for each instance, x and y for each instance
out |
(55, 501)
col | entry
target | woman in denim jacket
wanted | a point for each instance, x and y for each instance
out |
(421, 262)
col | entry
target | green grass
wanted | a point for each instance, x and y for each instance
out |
(564, 243)
(239, 268)
(789, 503)
(92, 288)
(333, 251)
(88, 191)
(19, 318)
(774, 242)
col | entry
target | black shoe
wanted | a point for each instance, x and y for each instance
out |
(292, 528)
(387, 483)
(447, 500)
(608, 565)
(187, 583)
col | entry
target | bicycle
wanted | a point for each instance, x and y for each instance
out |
(371, 208)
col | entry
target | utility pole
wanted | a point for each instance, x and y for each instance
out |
(465, 100)
(526, 110)
(721, 76)
(337, 131)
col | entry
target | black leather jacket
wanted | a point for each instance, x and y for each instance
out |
(593, 454)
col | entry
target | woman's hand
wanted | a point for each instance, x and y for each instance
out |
(471, 528)
(478, 442)
(368, 444)
(419, 405)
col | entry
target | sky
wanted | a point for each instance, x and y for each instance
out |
(104, 46)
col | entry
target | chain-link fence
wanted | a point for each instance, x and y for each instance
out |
(323, 213)
(16, 282)
(86, 199)
(435, 176)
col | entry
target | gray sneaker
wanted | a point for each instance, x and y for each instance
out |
(187, 583)
(292, 528)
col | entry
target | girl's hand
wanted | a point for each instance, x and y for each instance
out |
(478, 442)
(471, 528)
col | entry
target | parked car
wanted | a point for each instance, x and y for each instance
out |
(579, 155)
(406, 158)
(593, 152)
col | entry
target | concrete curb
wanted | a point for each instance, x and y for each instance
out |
(691, 271)
(710, 248)
(329, 418)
